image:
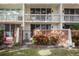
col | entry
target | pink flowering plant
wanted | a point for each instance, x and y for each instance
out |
(52, 37)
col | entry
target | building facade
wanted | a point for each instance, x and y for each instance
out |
(27, 17)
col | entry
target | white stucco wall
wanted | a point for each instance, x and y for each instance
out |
(70, 6)
(11, 6)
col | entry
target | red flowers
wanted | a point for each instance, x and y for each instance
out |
(52, 37)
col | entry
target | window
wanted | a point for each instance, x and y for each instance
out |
(49, 11)
(43, 27)
(40, 14)
(32, 11)
(37, 26)
(71, 11)
(41, 11)
(40, 27)
(7, 27)
(10, 11)
(37, 11)
(77, 11)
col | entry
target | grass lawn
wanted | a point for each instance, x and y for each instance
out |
(34, 52)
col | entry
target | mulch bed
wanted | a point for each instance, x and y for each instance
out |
(43, 46)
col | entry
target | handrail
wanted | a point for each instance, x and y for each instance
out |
(10, 16)
(42, 17)
(69, 17)
(41, 14)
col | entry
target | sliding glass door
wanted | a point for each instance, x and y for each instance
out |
(40, 14)
(71, 14)
(40, 27)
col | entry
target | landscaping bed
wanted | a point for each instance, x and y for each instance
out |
(44, 46)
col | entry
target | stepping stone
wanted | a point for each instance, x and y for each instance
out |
(44, 52)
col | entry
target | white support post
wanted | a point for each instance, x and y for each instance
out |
(17, 35)
(69, 39)
(23, 15)
(23, 24)
(61, 16)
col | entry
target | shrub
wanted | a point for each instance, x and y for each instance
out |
(1, 37)
(56, 37)
(53, 40)
(75, 37)
(41, 40)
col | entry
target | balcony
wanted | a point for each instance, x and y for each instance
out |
(71, 18)
(42, 18)
(10, 17)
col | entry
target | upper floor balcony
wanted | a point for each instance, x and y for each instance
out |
(10, 17)
(51, 18)
(42, 18)
(10, 12)
(71, 18)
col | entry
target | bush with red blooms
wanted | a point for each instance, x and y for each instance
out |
(41, 40)
(75, 37)
(51, 37)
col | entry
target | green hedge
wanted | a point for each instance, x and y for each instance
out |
(74, 26)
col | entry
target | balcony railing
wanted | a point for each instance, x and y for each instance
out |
(10, 17)
(71, 18)
(39, 17)
(42, 17)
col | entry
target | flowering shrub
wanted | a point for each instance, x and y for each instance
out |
(41, 40)
(52, 37)
(75, 37)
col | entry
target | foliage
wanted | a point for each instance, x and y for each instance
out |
(53, 40)
(75, 37)
(1, 37)
(51, 37)
(75, 26)
(16, 44)
(41, 40)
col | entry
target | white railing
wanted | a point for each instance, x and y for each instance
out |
(42, 17)
(73, 18)
(13, 17)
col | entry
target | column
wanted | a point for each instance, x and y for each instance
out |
(69, 39)
(61, 16)
(23, 24)
(17, 35)
(23, 16)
